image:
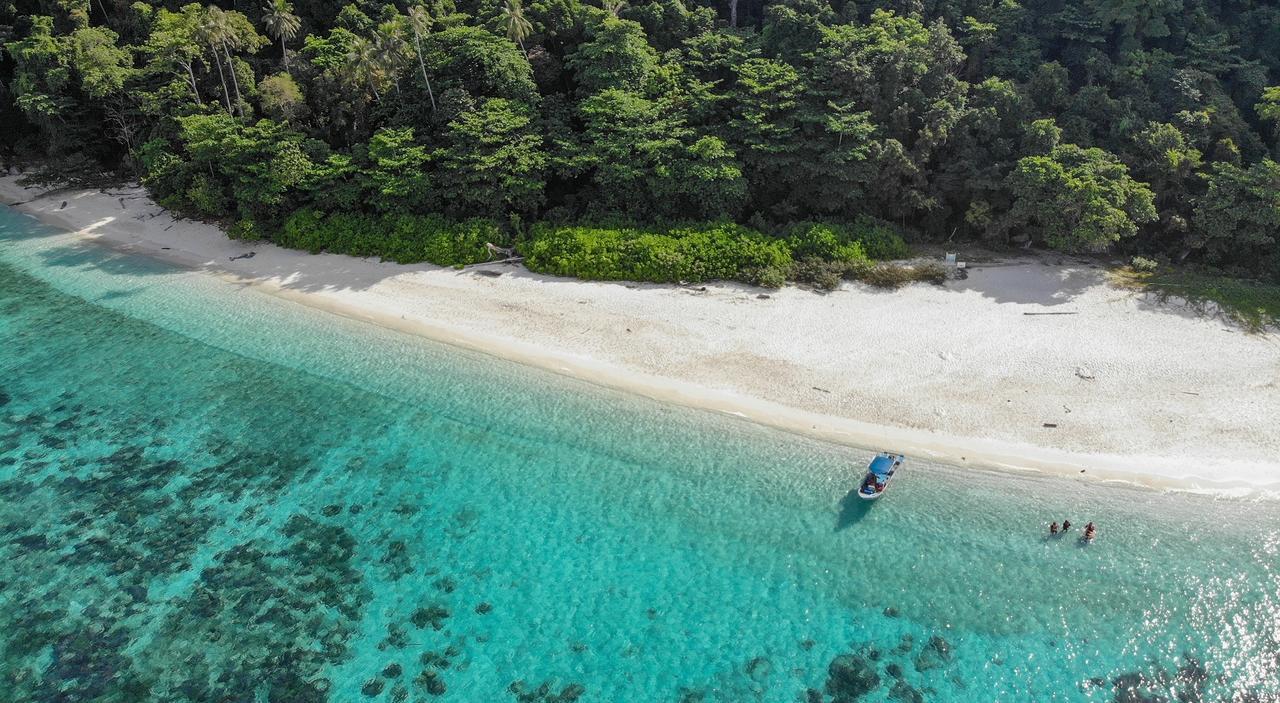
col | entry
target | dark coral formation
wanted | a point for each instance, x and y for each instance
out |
(850, 677)
(546, 692)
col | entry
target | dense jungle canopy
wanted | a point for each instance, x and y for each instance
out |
(1147, 126)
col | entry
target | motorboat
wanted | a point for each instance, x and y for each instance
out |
(879, 472)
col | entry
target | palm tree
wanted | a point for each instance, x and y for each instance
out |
(212, 27)
(364, 63)
(514, 21)
(388, 48)
(280, 22)
(420, 21)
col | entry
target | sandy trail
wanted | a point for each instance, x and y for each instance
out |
(1124, 387)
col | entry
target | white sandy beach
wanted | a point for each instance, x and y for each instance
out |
(1123, 388)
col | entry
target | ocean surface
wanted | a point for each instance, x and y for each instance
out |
(208, 493)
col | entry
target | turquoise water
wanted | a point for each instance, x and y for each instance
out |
(211, 494)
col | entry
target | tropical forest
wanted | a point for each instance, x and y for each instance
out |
(670, 140)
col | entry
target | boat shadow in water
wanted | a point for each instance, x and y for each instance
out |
(852, 510)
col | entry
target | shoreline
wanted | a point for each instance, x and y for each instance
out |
(576, 328)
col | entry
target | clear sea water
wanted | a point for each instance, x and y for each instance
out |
(211, 494)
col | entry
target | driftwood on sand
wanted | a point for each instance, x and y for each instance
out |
(509, 254)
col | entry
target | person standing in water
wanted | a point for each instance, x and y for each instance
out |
(1053, 528)
(1066, 525)
(1089, 532)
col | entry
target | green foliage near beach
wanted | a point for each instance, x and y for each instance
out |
(1149, 128)
(402, 238)
(1254, 305)
(715, 252)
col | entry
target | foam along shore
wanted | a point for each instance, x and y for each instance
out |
(1123, 387)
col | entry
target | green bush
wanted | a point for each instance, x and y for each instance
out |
(823, 242)
(1143, 264)
(705, 253)
(245, 229)
(865, 239)
(824, 275)
(206, 196)
(879, 239)
(896, 275)
(404, 239)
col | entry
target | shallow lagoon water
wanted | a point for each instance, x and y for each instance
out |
(211, 494)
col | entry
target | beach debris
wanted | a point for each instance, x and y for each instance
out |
(1050, 424)
(489, 272)
(1085, 372)
(824, 390)
(495, 250)
(248, 255)
(1073, 312)
(763, 296)
(1189, 393)
(63, 205)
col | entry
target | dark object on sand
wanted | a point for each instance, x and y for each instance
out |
(249, 255)
(488, 272)
(63, 205)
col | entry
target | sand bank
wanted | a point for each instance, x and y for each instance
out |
(1123, 387)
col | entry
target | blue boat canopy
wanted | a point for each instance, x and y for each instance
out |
(881, 465)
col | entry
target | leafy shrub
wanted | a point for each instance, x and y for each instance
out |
(865, 239)
(929, 272)
(206, 196)
(245, 229)
(401, 238)
(1143, 264)
(824, 275)
(825, 243)
(710, 252)
(896, 275)
(771, 277)
(879, 239)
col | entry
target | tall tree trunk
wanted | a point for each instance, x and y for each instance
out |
(284, 54)
(226, 94)
(231, 68)
(418, 43)
(191, 81)
(522, 49)
(733, 13)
